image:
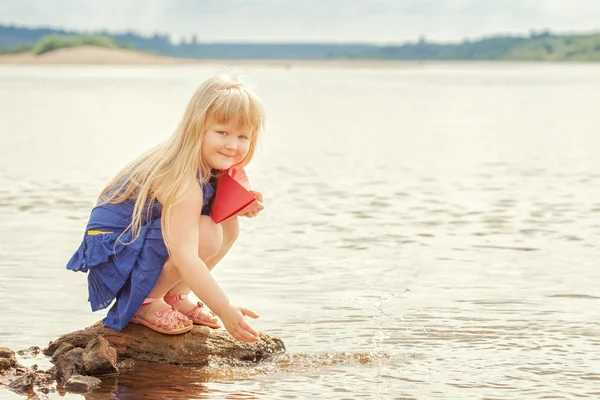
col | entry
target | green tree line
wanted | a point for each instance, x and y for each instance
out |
(540, 47)
(543, 46)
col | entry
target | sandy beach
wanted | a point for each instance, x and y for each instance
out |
(90, 55)
(93, 55)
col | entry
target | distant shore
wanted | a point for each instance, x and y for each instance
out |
(90, 55)
(96, 56)
(93, 55)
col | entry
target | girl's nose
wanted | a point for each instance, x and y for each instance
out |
(231, 145)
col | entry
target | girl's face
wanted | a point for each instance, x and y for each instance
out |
(225, 145)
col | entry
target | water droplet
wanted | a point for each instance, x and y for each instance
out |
(379, 337)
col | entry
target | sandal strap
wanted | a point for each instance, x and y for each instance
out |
(167, 318)
(199, 312)
(172, 298)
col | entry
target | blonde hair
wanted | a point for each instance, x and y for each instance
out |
(167, 171)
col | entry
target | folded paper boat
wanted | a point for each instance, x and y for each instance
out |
(232, 196)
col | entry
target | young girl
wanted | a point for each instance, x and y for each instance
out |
(150, 239)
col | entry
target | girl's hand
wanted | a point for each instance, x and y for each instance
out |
(235, 323)
(260, 206)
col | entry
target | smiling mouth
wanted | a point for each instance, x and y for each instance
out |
(226, 155)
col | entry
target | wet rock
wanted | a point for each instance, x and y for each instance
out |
(23, 380)
(195, 347)
(23, 384)
(99, 358)
(45, 390)
(43, 379)
(126, 365)
(20, 370)
(30, 352)
(9, 355)
(53, 371)
(70, 363)
(64, 348)
(82, 384)
(96, 349)
(4, 364)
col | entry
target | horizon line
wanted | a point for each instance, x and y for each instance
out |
(422, 37)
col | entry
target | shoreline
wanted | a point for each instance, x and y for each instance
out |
(100, 56)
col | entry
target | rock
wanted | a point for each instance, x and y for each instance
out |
(43, 378)
(53, 371)
(23, 384)
(30, 352)
(70, 363)
(8, 354)
(194, 347)
(64, 348)
(81, 384)
(126, 365)
(99, 358)
(4, 364)
(96, 350)
(23, 380)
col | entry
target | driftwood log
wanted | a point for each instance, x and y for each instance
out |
(80, 356)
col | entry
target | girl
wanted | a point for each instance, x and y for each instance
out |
(150, 238)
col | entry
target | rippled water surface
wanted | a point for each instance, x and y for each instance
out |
(431, 231)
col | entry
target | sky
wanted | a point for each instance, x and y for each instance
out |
(332, 21)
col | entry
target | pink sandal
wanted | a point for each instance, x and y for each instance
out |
(200, 315)
(163, 321)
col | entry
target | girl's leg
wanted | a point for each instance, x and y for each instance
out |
(215, 241)
(231, 231)
(211, 239)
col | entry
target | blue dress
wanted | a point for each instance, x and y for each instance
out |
(121, 269)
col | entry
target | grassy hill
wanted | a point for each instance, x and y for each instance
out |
(536, 47)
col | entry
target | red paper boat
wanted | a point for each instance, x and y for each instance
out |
(232, 196)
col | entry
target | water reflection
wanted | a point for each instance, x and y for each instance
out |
(189, 382)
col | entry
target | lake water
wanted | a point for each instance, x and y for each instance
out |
(431, 230)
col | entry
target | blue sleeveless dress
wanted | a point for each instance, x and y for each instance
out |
(121, 269)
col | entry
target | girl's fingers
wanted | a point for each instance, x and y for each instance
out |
(255, 212)
(241, 334)
(248, 312)
(244, 326)
(250, 335)
(246, 337)
(258, 195)
(239, 328)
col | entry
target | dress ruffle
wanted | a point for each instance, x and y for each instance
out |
(120, 267)
(122, 270)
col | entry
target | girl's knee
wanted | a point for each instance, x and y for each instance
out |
(211, 238)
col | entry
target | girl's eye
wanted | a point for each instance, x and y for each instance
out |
(243, 137)
(222, 133)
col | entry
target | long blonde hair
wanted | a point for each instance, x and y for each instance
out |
(167, 171)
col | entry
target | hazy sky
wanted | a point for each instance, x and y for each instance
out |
(379, 21)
